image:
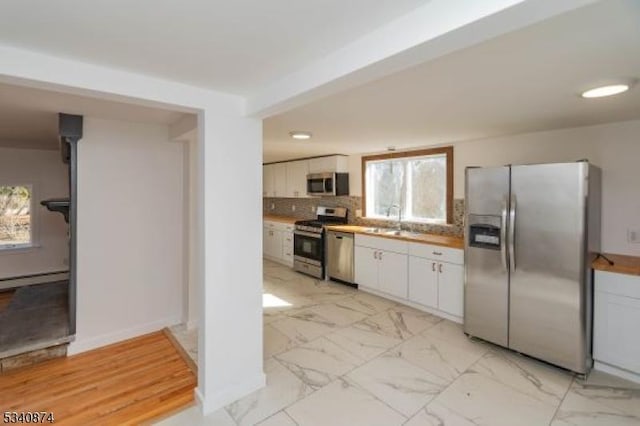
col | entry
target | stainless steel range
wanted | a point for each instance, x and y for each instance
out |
(308, 240)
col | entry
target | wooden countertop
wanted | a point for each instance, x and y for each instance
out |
(629, 265)
(281, 219)
(414, 237)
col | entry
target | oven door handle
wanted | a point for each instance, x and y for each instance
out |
(307, 234)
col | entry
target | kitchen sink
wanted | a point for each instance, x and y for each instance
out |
(387, 231)
(375, 230)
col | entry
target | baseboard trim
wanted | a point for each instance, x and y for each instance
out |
(232, 393)
(414, 305)
(616, 371)
(86, 344)
(191, 324)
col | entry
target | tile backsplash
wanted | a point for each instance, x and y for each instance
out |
(305, 208)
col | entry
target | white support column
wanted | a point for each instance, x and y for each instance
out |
(230, 221)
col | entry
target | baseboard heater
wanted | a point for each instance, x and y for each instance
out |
(41, 278)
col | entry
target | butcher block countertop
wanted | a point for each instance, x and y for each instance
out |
(281, 219)
(414, 237)
(629, 265)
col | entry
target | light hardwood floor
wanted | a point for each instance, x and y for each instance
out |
(126, 383)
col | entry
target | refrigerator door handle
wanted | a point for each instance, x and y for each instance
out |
(512, 232)
(503, 233)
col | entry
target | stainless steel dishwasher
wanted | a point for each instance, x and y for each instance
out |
(340, 256)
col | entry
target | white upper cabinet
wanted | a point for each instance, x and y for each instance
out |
(297, 178)
(280, 179)
(289, 179)
(333, 163)
(268, 182)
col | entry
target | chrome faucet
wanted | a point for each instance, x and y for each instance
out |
(399, 224)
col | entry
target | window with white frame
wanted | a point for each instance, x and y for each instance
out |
(417, 182)
(15, 216)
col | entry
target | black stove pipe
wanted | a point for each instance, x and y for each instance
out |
(70, 131)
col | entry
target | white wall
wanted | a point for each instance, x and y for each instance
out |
(130, 231)
(615, 148)
(230, 330)
(231, 355)
(48, 175)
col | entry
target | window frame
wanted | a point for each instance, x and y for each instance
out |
(447, 150)
(7, 248)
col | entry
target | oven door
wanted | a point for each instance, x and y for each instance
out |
(308, 247)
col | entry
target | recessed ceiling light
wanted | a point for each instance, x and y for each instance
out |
(599, 92)
(300, 135)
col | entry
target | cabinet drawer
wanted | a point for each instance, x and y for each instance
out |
(443, 254)
(386, 244)
(279, 226)
(620, 284)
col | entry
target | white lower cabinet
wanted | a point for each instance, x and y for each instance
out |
(277, 242)
(287, 247)
(615, 322)
(423, 281)
(451, 288)
(381, 265)
(392, 273)
(272, 242)
(412, 272)
(438, 285)
(366, 267)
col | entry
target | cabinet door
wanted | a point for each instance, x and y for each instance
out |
(322, 165)
(268, 188)
(273, 243)
(297, 178)
(287, 247)
(366, 267)
(392, 273)
(451, 288)
(265, 241)
(423, 281)
(280, 180)
(615, 330)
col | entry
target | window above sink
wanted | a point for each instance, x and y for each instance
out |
(420, 182)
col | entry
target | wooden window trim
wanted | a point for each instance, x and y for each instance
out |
(448, 150)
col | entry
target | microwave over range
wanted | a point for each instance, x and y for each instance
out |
(331, 183)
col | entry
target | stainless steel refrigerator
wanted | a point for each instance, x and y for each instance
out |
(531, 234)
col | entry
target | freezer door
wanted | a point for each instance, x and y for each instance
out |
(486, 290)
(547, 255)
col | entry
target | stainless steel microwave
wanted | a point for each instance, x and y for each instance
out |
(328, 183)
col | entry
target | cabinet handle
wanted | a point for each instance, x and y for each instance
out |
(270, 233)
(374, 255)
(440, 268)
(433, 266)
(437, 253)
(380, 255)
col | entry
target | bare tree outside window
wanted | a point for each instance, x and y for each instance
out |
(388, 182)
(419, 182)
(15, 215)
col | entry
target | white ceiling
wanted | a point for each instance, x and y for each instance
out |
(29, 117)
(232, 46)
(528, 80)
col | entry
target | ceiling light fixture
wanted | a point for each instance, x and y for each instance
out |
(300, 135)
(602, 91)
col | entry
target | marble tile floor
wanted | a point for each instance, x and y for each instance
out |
(338, 356)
